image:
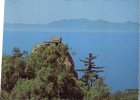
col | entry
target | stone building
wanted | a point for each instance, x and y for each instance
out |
(54, 42)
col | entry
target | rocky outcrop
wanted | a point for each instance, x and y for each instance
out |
(59, 53)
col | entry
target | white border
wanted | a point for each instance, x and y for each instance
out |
(1, 33)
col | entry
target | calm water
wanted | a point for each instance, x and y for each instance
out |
(117, 52)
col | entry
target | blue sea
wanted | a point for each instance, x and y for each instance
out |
(117, 52)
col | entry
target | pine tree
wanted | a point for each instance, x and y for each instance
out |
(91, 71)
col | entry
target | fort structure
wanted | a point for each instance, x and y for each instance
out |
(54, 42)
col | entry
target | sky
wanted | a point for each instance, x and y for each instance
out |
(46, 11)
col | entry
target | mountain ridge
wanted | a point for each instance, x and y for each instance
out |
(77, 25)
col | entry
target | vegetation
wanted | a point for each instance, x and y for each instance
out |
(48, 74)
(91, 72)
(93, 85)
(128, 94)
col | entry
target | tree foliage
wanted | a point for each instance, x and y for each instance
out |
(128, 94)
(41, 74)
(48, 74)
(93, 85)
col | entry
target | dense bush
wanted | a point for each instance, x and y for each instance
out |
(48, 74)
(39, 75)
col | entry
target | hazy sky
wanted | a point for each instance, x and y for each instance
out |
(45, 11)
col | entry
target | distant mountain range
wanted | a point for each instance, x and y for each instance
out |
(75, 25)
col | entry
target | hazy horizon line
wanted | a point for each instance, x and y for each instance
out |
(71, 19)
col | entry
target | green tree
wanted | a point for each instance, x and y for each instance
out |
(93, 85)
(91, 71)
(42, 74)
(12, 69)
